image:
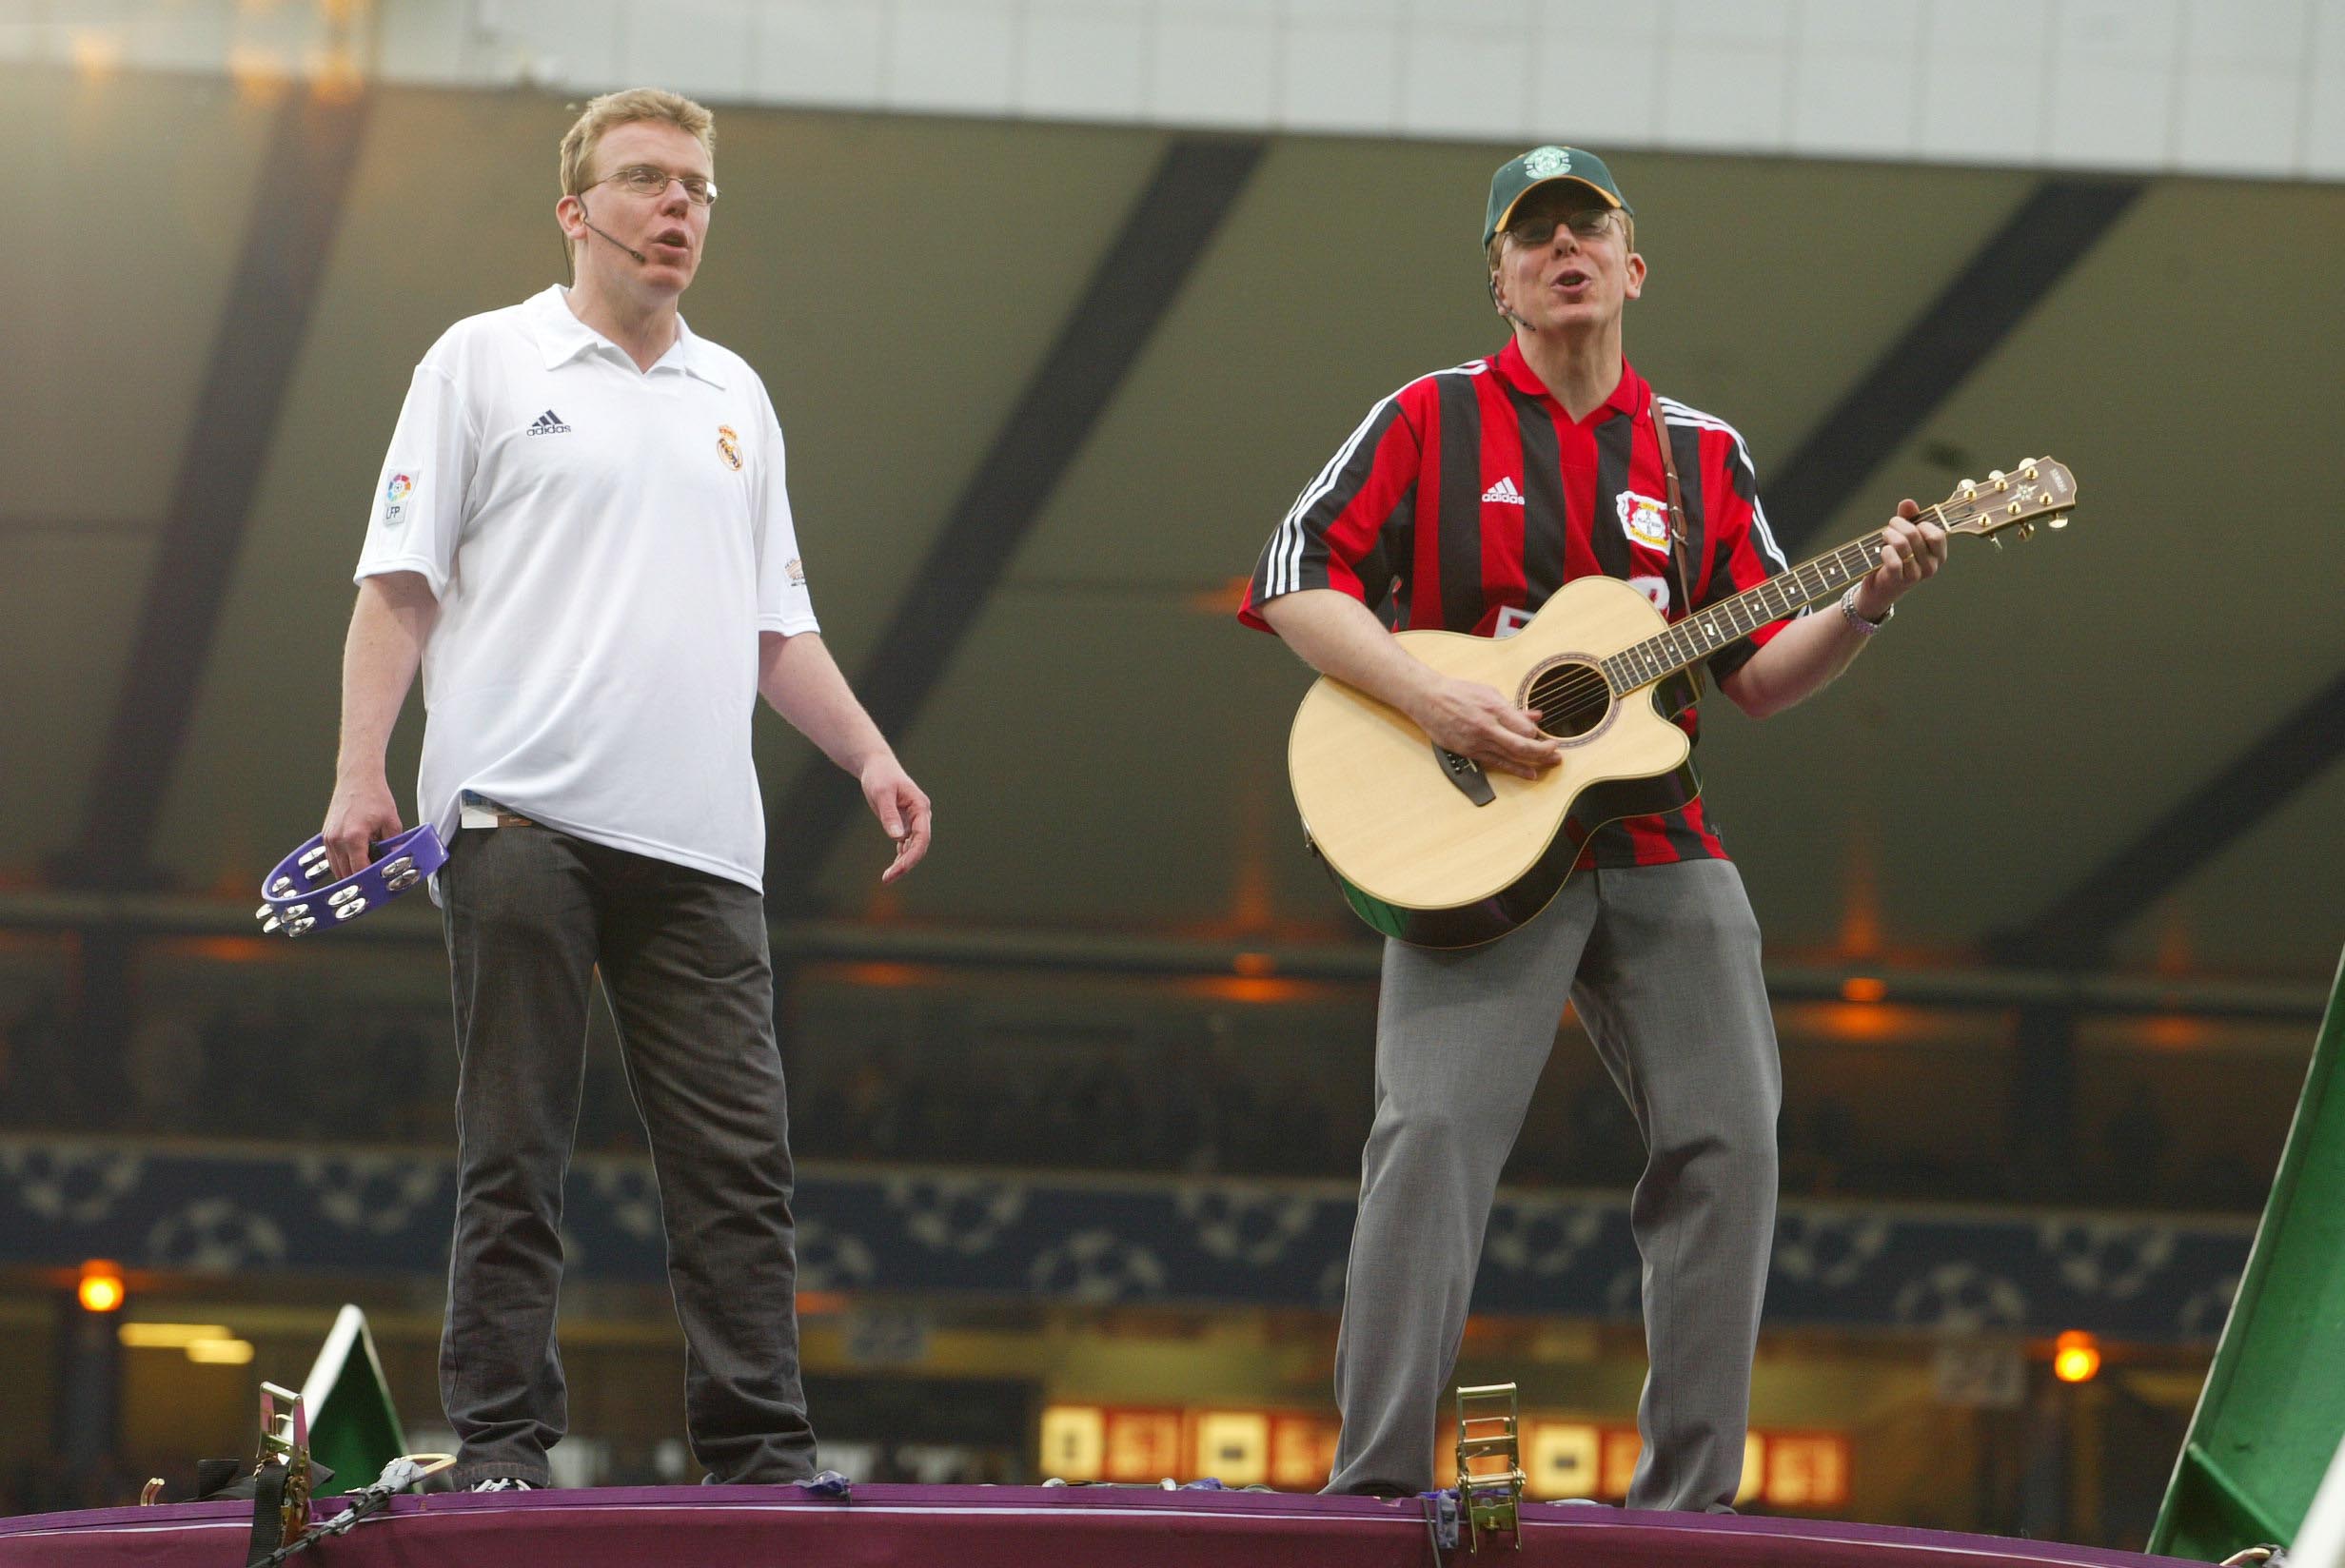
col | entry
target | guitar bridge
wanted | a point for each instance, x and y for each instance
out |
(1465, 774)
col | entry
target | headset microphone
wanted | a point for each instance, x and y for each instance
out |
(628, 249)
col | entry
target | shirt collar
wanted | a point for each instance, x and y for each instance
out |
(696, 357)
(562, 337)
(1627, 396)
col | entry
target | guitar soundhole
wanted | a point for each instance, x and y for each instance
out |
(1571, 695)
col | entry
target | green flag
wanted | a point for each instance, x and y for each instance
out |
(353, 1426)
(2272, 1410)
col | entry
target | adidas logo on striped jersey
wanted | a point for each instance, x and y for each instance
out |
(548, 423)
(1503, 493)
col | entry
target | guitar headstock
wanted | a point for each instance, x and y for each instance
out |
(2039, 490)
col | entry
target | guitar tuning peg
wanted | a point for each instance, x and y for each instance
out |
(1995, 473)
(2058, 519)
(1996, 540)
(2027, 530)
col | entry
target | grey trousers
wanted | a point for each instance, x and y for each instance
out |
(1663, 962)
(529, 915)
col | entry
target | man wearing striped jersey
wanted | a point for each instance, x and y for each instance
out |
(1462, 503)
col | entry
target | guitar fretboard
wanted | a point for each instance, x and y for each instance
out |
(1700, 635)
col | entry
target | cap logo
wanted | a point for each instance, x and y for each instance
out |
(1546, 161)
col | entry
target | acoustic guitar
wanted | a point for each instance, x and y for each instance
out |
(1432, 849)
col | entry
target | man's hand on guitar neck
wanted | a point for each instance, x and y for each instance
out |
(1338, 636)
(1911, 551)
(1810, 652)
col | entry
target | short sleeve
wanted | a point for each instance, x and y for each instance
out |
(1342, 530)
(418, 509)
(1742, 550)
(786, 604)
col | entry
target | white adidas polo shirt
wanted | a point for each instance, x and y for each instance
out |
(605, 545)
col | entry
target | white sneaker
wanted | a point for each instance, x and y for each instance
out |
(503, 1483)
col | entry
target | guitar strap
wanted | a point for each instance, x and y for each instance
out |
(1684, 587)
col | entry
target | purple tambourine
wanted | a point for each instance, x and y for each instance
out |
(299, 898)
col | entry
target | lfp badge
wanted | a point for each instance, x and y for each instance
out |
(395, 493)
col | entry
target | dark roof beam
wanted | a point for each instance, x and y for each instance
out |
(2074, 929)
(1164, 235)
(2020, 264)
(304, 177)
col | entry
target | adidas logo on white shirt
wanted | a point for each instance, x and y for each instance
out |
(1503, 493)
(549, 423)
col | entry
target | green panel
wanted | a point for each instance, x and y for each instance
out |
(1382, 917)
(2274, 1408)
(354, 1428)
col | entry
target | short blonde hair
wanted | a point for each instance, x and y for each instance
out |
(619, 108)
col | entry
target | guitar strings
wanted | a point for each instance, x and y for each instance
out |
(1867, 553)
(1577, 690)
(1581, 690)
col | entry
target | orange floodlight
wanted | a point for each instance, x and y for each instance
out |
(101, 1288)
(2076, 1357)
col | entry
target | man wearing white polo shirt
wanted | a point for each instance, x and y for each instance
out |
(582, 534)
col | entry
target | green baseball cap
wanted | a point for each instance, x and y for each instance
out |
(1518, 177)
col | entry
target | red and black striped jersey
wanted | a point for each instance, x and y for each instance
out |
(1469, 496)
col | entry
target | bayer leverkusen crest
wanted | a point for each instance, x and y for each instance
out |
(1644, 519)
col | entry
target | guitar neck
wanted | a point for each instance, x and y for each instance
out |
(1701, 634)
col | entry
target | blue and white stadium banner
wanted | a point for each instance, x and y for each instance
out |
(1204, 1241)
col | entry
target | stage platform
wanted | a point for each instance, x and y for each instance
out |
(990, 1527)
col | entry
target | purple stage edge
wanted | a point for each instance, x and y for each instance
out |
(993, 1527)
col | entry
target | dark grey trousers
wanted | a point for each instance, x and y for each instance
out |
(529, 915)
(1663, 962)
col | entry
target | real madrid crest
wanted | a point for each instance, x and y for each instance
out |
(729, 446)
(1644, 519)
(1546, 161)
